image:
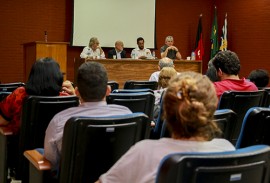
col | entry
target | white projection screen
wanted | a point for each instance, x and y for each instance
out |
(111, 20)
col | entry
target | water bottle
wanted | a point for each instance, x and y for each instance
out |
(193, 56)
(133, 55)
(154, 54)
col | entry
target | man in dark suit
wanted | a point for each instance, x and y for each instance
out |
(118, 52)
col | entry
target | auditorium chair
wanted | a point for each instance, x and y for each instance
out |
(266, 99)
(132, 90)
(255, 128)
(240, 102)
(140, 84)
(114, 85)
(225, 119)
(246, 165)
(136, 102)
(37, 112)
(3, 95)
(10, 87)
(91, 145)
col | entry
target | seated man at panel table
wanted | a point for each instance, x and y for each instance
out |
(227, 65)
(118, 52)
(141, 52)
(92, 90)
(169, 50)
(164, 62)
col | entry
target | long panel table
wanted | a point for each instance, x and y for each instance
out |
(132, 69)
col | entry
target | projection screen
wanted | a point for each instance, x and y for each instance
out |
(111, 20)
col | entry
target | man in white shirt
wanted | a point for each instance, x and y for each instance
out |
(164, 62)
(141, 52)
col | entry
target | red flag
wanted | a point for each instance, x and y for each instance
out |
(199, 50)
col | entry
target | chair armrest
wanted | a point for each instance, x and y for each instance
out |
(6, 130)
(37, 160)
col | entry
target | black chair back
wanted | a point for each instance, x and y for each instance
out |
(240, 103)
(37, 112)
(3, 95)
(266, 99)
(255, 128)
(114, 85)
(247, 165)
(136, 102)
(132, 90)
(10, 87)
(140, 84)
(226, 120)
(92, 145)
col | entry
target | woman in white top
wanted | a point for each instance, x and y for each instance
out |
(93, 51)
(189, 105)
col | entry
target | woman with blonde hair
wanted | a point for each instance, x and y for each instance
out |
(93, 50)
(189, 105)
(164, 77)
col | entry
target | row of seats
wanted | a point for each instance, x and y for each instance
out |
(85, 176)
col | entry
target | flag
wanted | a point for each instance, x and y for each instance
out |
(214, 36)
(199, 50)
(224, 42)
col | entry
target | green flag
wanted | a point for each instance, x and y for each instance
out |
(214, 36)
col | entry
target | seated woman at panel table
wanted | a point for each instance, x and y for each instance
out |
(93, 50)
(189, 104)
(45, 79)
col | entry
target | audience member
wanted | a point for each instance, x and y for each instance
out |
(92, 90)
(189, 105)
(141, 52)
(170, 51)
(227, 65)
(259, 77)
(118, 51)
(164, 62)
(93, 50)
(211, 72)
(163, 80)
(45, 79)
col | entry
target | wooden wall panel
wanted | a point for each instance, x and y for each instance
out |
(248, 25)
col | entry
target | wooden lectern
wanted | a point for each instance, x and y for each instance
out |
(39, 49)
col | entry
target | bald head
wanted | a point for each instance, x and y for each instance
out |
(165, 62)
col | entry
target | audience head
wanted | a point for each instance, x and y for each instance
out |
(227, 62)
(140, 43)
(45, 78)
(165, 62)
(211, 72)
(259, 77)
(119, 45)
(189, 105)
(93, 43)
(169, 40)
(92, 82)
(165, 75)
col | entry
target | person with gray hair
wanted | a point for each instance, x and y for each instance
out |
(93, 50)
(170, 51)
(118, 51)
(164, 62)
